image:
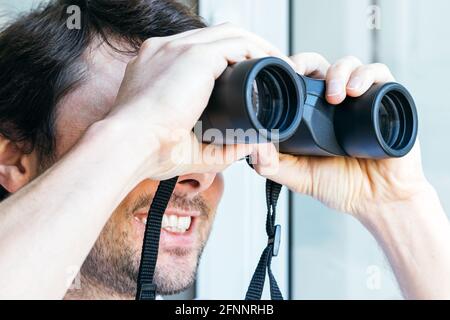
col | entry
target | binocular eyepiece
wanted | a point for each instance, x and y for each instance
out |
(267, 97)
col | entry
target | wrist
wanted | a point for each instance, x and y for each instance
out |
(421, 204)
(414, 235)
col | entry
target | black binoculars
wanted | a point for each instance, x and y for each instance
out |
(268, 97)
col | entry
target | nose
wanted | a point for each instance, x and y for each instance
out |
(194, 183)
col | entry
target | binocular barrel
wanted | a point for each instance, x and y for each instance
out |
(264, 100)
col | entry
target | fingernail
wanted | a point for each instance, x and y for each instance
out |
(355, 83)
(334, 87)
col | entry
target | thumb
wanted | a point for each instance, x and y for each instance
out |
(216, 158)
(265, 160)
(294, 172)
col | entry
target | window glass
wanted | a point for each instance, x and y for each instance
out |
(333, 255)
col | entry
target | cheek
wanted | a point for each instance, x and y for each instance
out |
(212, 197)
(122, 220)
(142, 190)
(144, 187)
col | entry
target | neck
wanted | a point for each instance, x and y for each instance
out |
(85, 288)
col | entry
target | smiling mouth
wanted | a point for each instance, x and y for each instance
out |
(174, 220)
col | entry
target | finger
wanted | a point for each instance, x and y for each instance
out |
(295, 166)
(153, 44)
(337, 77)
(228, 51)
(310, 64)
(227, 31)
(282, 168)
(150, 46)
(265, 160)
(363, 77)
(209, 35)
(192, 156)
(216, 158)
(239, 49)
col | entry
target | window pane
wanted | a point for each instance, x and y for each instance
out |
(333, 255)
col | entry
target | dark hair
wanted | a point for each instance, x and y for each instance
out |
(40, 57)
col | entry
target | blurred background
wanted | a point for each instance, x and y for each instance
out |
(324, 254)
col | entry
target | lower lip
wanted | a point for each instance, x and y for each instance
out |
(168, 239)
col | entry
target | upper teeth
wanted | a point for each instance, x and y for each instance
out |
(173, 223)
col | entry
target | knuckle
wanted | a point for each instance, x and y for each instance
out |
(346, 64)
(352, 60)
(317, 56)
(150, 43)
(364, 72)
(321, 62)
(338, 68)
(380, 66)
(194, 50)
(176, 46)
(361, 69)
(169, 46)
(295, 56)
(299, 57)
(308, 55)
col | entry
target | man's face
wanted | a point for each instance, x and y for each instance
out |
(114, 261)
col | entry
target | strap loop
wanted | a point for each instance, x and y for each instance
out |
(146, 291)
(275, 240)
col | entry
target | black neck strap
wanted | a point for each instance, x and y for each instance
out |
(256, 286)
(146, 288)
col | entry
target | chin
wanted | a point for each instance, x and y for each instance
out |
(175, 270)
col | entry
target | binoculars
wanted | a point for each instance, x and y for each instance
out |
(268, 97)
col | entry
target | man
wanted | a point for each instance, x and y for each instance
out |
(90, 118)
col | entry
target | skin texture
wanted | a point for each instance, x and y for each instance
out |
(100, 178)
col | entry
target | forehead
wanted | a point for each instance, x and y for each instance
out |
(93, 99)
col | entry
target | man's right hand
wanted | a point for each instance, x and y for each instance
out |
(166, 88)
